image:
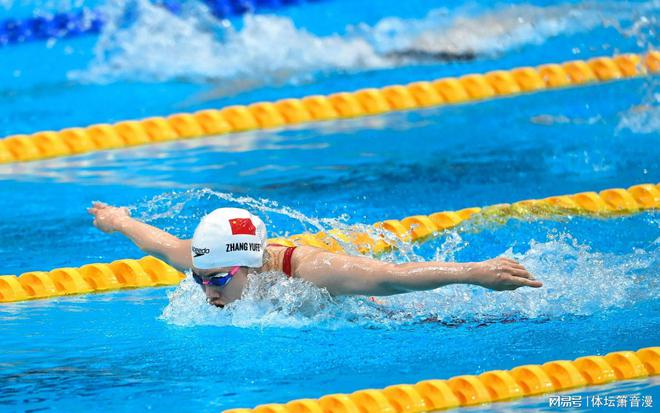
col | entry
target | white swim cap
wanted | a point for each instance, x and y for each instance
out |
(229, 237)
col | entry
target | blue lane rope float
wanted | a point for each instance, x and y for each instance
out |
(90, 21)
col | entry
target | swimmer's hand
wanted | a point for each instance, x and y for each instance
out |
(501, 274)
(108, 218)
(148, 238)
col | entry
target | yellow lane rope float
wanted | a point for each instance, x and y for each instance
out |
(150, 271)
(364, 102)
(488, 387)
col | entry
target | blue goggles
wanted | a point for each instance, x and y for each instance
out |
(216, 280)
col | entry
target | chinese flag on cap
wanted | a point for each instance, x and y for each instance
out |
(242, 226)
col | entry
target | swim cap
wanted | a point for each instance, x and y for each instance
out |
(229, 237)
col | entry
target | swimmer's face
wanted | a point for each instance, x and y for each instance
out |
(221, 296)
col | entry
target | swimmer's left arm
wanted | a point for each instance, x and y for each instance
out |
(350, 275)
(148, 238)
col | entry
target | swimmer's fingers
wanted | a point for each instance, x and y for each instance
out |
(513, 264)
(96, 224)
(515, 281)
(510, 261)
(524, 282)
(93, 210)
(522, 277)
(519, 266)
(96, 207)
(520, 272)
(100, 206)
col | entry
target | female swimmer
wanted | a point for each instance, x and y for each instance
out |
(229, 243)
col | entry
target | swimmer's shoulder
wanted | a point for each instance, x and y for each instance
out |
(300, 254)
(300, 251)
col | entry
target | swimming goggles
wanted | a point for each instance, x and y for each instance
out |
(216, 280)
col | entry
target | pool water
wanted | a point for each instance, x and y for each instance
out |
(165, 349)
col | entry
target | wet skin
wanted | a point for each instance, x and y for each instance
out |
(339, 274)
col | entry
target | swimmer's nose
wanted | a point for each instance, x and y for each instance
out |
(211, 294)
(213, 297)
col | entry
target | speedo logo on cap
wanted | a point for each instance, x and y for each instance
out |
(242, 226)
(200, 251)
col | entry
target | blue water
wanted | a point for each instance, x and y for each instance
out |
(165, 349)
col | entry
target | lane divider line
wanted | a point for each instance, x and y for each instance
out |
(364, 102)
(121, 274)
(488, 387)
(419, 228)
(150, 271)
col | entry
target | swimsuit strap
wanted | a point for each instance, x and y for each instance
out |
(286, 262)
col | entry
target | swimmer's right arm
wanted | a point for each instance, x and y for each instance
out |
(354, 275)
(148, 238)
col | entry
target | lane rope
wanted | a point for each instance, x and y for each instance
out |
(364, 102)
(384, 236)
(90, 21)
(419, 228)
(488, 387)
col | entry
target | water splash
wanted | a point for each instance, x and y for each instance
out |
(267, 46)
(269, 49)
(189, 206)
(171, 204)
(641, 119)
(578, 281)
(486, 33)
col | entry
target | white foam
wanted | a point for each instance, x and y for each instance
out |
(161, 46)
(643, 119)
(157, 45)
(501, 29)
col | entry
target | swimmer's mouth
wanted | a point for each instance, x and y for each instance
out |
(215, 302)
